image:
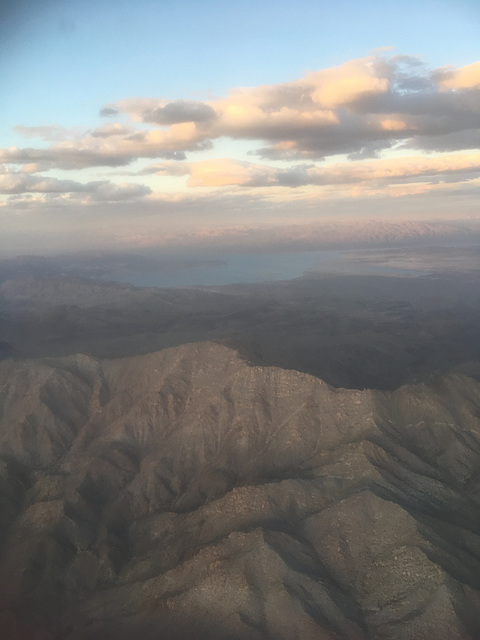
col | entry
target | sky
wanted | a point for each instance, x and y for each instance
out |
(127, 124)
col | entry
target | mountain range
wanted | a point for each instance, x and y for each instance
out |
(191, 494)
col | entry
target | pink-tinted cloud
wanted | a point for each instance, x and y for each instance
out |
(467, 77)
(223, 172)
(362, 109)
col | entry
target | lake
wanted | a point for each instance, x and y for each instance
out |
(234, 268)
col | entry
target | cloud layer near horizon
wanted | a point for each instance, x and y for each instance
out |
(373, 127)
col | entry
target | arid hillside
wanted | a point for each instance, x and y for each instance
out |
(189, 494)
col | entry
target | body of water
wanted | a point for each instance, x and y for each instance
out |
(235, 268)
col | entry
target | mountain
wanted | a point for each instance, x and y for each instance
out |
(354, 233)
(200, 248)
(189, 494)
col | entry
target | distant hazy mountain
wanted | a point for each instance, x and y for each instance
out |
(360, 233)
(187, 494)
(192, 252)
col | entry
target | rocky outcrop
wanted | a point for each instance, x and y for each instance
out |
(188, 494)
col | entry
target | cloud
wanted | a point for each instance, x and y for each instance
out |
(361, 108)
(466, 139)
(376, 174)
(222, 219)
(180, 111)
(168, 168)
(114, 129)
(332, 88)
(108, 111)
(223, 172)
(49, 132)
(173, 155)
(110, 192)
(467, 77)
(112, 148)
(219, 172)
(134, 107)
(16, 183)
(66, 155)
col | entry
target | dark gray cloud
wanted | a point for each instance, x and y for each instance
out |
(368, 151)
(450, 105)
(408, 84)
(294, 154)
(348, 137)
(108, 112)
(295, 177)
(73, 158)
(466, 139)
(180, 111)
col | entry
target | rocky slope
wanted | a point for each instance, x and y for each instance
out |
(187, 494)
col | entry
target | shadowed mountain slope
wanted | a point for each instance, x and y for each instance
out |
(188, 494)
(351, 331)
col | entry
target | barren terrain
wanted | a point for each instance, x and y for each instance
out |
(293, 459)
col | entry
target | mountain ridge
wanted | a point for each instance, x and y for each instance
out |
(189, 494)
